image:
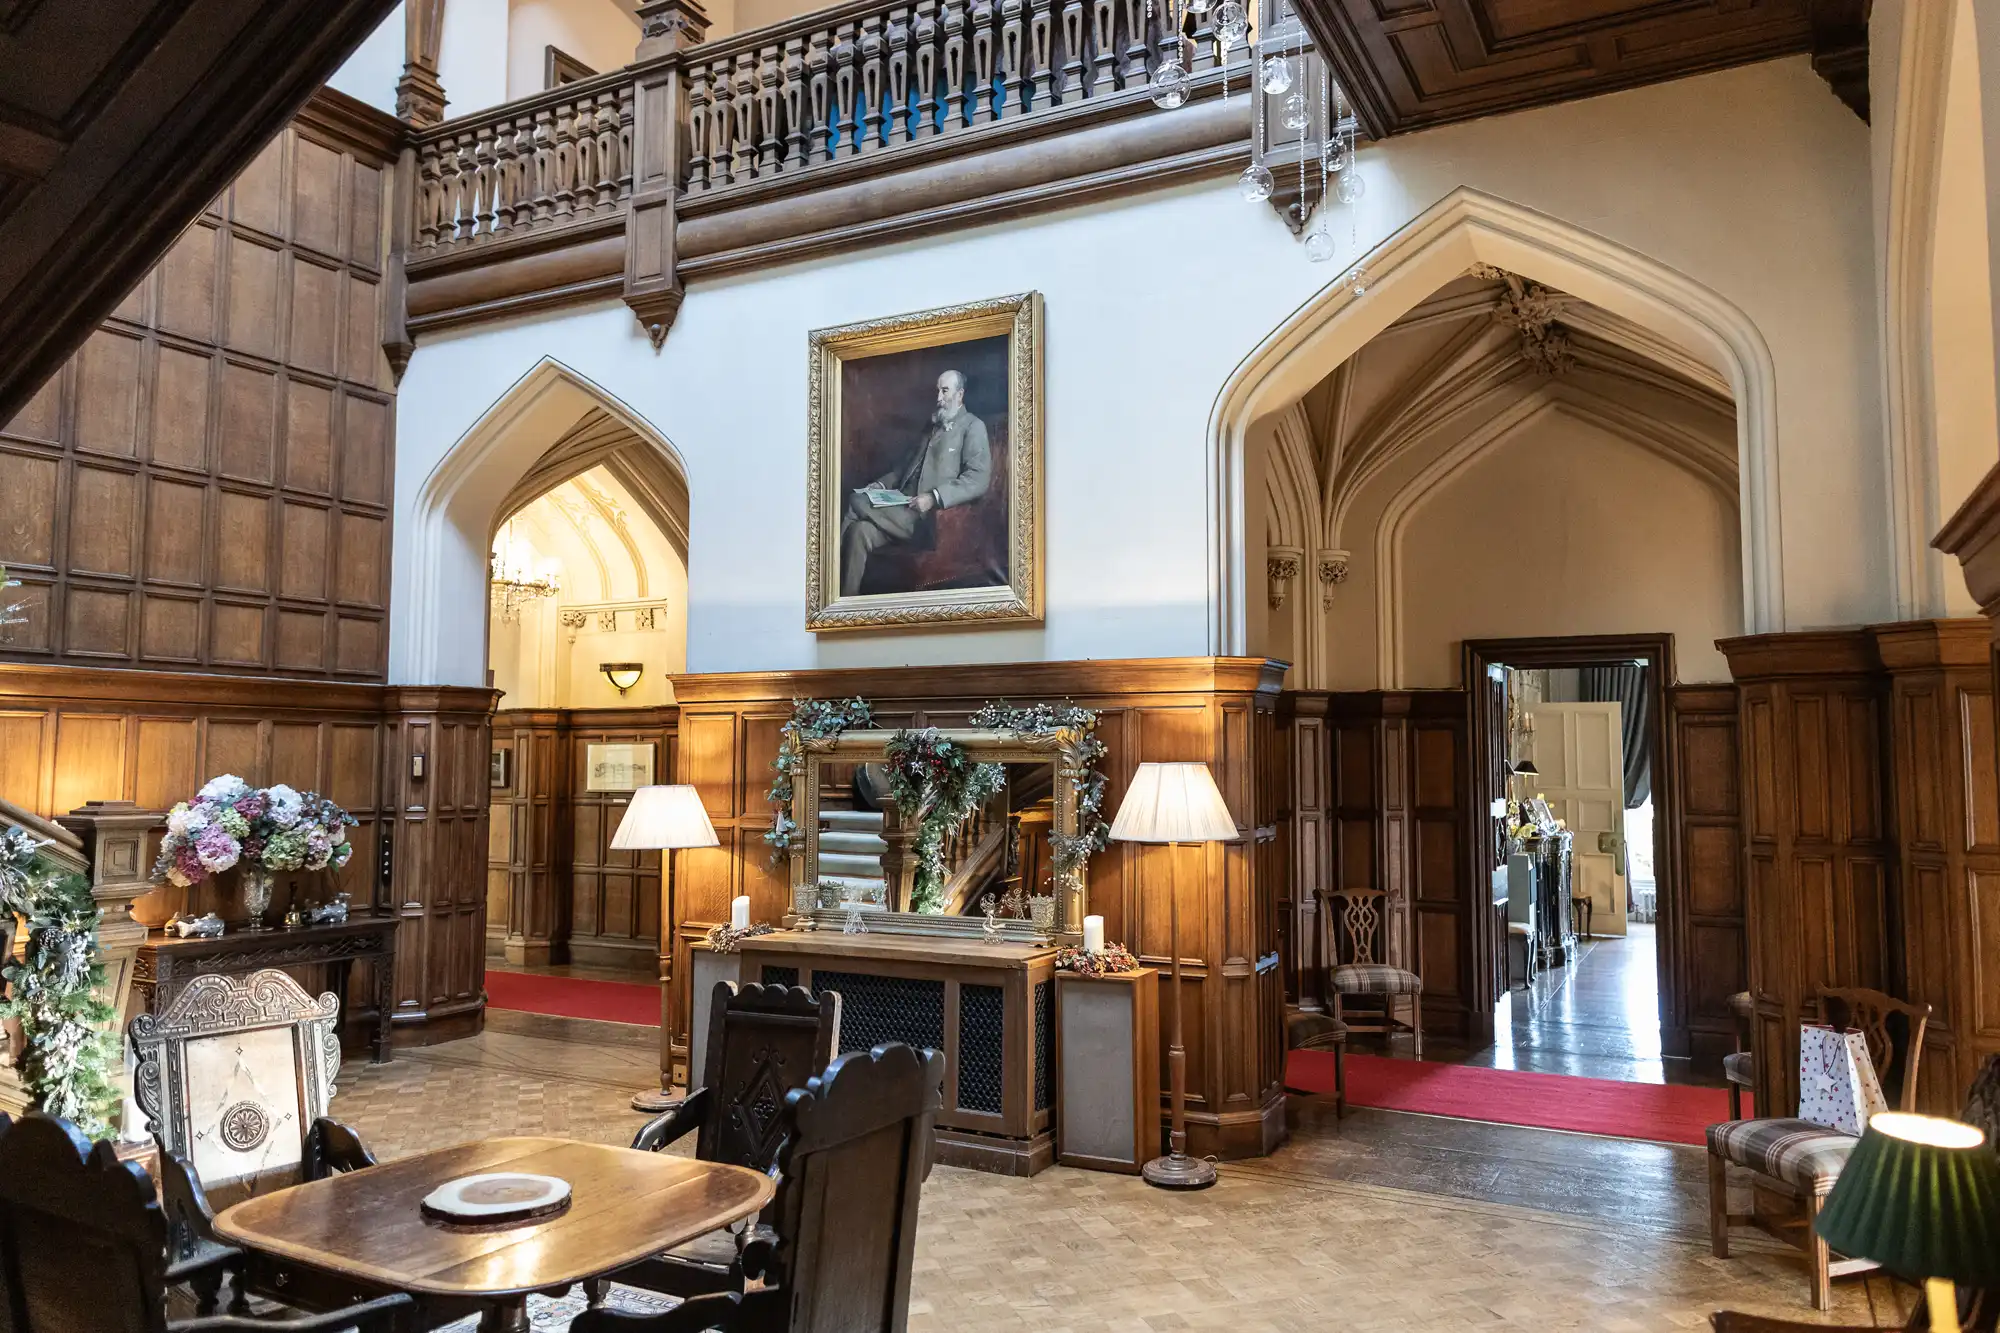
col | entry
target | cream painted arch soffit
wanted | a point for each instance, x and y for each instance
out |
(1467, 228)
(543, 430)
(1477, 364)
(1690, 451)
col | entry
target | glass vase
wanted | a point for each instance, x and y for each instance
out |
(1042, 911)
(257, 885)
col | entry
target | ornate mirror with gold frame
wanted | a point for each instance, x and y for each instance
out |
(856, 860)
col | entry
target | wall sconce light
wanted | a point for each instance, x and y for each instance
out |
(622, 674)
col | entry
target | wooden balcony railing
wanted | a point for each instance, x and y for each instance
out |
(870, 77)
(559, 157)
(869, 121)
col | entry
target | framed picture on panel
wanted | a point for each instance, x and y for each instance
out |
(924, 468)
(499, 766)
(617, 767)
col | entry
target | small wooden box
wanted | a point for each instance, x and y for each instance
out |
(1107, 1047)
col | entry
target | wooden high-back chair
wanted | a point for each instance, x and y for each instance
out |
(763, 1042)
(83, 1244)
(1893, 1029)
(1356, 932)
(857, 1149)
(232, 1076)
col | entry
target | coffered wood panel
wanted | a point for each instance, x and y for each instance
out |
(1412, 64)
(1708, 847)
(1218, 710)
(70, 735)
(118, 123)
(202, 485)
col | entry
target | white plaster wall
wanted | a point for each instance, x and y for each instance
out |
(371, 72)
(1561, 528)
(601, 33)
(1151, 303)
(472, 56)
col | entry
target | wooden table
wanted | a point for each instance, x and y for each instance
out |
(166, 963)
(363, 1234)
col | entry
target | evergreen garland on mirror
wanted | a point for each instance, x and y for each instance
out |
(69, 1054)
(812, 719)
(1070, 852)
(939, 780)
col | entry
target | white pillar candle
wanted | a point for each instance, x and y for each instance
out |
(739, 913)
(1093, 934)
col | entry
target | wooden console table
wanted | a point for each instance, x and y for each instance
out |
(166, 963)
(989, 1007)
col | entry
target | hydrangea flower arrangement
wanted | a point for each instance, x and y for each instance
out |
(276, 828)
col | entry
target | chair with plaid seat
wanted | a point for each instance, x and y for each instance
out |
(1357, 933)
(1787, 1155)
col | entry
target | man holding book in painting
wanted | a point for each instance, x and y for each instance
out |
(952, 466)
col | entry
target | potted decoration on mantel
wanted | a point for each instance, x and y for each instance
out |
(261, 832)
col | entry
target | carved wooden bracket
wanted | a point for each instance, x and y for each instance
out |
(652, 280)
(1840, 49)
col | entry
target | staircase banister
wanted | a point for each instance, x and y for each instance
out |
(774, 34)
(63, 847)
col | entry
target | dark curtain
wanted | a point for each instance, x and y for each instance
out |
(1626, 685)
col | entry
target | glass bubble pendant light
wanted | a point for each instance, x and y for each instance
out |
(1170, 85)
(1256, 183)
(1232, 22)
(1276, 74)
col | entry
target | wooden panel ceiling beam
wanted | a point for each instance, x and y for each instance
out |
(1413, 64)
(120, 120)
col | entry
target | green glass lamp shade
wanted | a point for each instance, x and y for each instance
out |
(1921, 1197)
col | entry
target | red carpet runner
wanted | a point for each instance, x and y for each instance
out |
(570, 997)
(1666, 1114)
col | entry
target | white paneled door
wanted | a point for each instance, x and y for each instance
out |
(1580, 750)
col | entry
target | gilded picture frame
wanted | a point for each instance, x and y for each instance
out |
(924, 469)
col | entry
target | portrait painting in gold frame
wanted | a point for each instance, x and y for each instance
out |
(924, 471)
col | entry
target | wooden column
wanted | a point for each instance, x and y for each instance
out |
(652, 280)
(1304, 846)
(1817, 846)
(1947, 900)
(420, 96)
(436, 755)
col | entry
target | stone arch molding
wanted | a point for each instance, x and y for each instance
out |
(1469, 227)
(439, 623)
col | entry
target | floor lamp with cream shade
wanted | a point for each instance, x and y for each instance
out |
(663, 819)
(1172, 804)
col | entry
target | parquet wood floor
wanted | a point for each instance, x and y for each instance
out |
(1349, 1227)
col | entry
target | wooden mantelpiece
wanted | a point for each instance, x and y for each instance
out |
(989, 1007)
(1220, 710)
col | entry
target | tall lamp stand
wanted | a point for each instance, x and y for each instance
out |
(1169, 805)
(1177, 1170)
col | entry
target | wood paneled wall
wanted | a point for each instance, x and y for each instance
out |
(1392, 765)
(1711, 959)
(556, 891)
(1218, 710)
(205, 485)
(69, 735)
(1872, 835)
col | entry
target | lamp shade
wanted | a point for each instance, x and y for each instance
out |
(1921, 1197)
(1527, 769)
(1173, 803)
(662, 817)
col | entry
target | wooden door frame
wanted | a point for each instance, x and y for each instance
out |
(1670, 887)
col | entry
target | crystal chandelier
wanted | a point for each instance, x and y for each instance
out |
(515, 580)
(1303, 139)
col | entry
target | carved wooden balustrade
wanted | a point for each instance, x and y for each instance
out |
(774, 145)
(560, 157)
(869, 77)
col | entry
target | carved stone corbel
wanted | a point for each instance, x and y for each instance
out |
(573, 621)
(1281, 566)
(1332, 573)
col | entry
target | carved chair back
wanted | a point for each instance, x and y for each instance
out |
(1893, 1029)
(83, 1244)
(763, 1041)
(234, 1073)
(1355, 931)
(856, 1150)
